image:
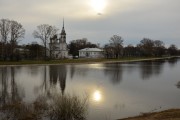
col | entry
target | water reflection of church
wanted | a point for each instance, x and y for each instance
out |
(58, 76)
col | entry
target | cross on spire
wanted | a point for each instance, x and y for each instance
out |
(63, 22)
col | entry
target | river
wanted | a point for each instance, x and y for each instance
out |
(115, 90)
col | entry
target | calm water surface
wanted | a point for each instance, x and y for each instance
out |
(115, 90)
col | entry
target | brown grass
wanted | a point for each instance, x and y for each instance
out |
(172, 114)
(56, 107)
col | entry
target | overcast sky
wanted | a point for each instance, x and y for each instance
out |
(98, 20)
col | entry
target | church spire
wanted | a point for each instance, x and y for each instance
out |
(63, 30)
(63, 22)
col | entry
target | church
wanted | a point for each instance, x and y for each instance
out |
(58, 46)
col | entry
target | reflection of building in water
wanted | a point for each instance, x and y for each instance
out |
(58, 73)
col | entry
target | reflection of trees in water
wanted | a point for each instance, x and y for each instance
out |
(178, 85)
(44, 85)
(172, 61)
(130, 67)
(151, 68)
(82, 71)
(72, 71)
(14, 87)
(114, 71)
(78, 70)
(9, 90)
(4, 85)
(58, 73)
(33, 70)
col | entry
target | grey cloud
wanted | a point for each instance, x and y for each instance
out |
(132, 19)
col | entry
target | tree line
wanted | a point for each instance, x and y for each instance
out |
(146, 48)
(11, 32)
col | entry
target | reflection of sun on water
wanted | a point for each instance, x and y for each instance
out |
(98, 5)
(97, 96)
(98, 66)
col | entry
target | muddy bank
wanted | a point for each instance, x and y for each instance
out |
(172, 114)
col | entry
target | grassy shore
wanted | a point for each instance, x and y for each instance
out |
(171, 114)
(72, 61)
(49, 107)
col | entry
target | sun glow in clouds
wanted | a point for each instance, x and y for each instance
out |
(97, 96)
(98, 5)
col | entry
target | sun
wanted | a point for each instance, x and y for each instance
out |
(98, 5)
(97, 96)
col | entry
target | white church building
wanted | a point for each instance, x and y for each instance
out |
(58, 46)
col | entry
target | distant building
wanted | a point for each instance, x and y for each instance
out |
(58, 46)
(91, 53)
(34, 43)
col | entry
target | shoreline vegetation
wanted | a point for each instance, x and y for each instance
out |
(81, 61)
(48, 107)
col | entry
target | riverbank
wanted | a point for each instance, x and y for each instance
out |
(171, 114)
(80, 61)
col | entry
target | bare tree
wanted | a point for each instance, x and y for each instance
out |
(147, 47)
(108, 51)
(16, 32)
(159, 48)
(4, 29)
(117, 43)
(130, 51)
(44, 32)
(173, 50)
(4, 33)
(10, 32)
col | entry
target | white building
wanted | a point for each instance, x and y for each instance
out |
(58, 46)
(91, 53)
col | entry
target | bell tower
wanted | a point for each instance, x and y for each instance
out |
(63, 34)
